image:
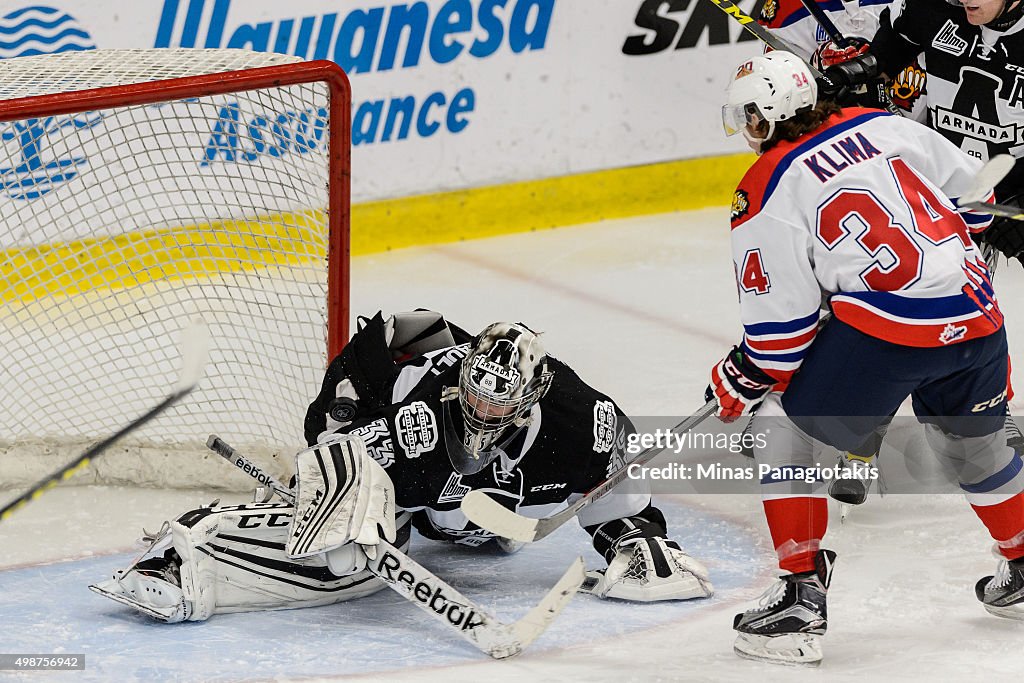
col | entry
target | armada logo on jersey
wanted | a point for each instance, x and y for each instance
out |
(740, 204)
(952, 333)
(949, 120)
(948, 41)
(769, 10)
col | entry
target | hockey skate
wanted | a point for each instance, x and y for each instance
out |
(1014, 437)
(1003, 594)
(787, 625)
(853, 491)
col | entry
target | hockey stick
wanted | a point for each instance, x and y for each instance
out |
(990, 175)
(489, 514)
(762, 34)
(424, 589)
(194, 352)
(825, 22)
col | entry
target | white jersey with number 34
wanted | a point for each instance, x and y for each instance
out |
(862, 211)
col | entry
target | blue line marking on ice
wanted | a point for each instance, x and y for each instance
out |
(49, 609)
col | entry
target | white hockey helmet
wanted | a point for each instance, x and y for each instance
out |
(771, 87)
(504, 375)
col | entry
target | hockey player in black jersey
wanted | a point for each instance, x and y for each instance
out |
(437, 413)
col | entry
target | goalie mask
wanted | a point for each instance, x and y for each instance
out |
(504, 375)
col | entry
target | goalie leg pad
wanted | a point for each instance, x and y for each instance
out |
(342, 496)
(650, 570)
(232, 559)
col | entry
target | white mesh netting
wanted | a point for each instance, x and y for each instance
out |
(119, 224)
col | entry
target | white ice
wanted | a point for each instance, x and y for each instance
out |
(641, 308)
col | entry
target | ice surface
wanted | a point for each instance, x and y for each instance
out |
(640, 308)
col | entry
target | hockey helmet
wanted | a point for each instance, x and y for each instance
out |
(502, 378)
(772, 87)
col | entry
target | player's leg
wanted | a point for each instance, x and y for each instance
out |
(964, 416)
(861, 461)
(231, 558)
(845, 389)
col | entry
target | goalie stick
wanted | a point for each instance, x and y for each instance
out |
(433, 595)
(194, 352)
(489, 514)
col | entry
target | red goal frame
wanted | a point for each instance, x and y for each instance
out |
(339, 146)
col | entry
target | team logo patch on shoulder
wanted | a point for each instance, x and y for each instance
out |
(416, 428)
(769, 10)
(740, 205)
(908, 87)
(605, 421)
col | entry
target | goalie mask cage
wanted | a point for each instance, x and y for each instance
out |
(141, 188)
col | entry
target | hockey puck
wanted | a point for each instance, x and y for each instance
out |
(343, 409)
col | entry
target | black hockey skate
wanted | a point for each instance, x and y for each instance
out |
(787, 625)
(1014, 437)
(1003, 594)
(854, 491)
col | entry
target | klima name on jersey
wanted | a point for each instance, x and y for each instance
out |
(847, 152)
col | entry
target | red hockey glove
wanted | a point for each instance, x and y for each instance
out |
(831, 54)
(738, 385)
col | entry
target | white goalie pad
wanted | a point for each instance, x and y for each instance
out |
(232, 559)
(342, 496)
(650, 570)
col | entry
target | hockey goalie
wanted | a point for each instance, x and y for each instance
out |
(413, 414)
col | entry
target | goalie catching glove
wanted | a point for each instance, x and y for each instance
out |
(343, 496)
(643, 565)
(737, 385)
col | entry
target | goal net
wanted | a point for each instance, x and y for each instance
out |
(142, 188)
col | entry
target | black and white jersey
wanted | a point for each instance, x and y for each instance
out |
(975, 77)
(575, 438)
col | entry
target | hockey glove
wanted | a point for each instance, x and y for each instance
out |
(830, 54)
(650, 570)
(838, 81)
(1006, 234)
(738, 385)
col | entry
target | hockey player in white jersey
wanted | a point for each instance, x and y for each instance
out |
(859, 206)
(430, 413)
(857, 21)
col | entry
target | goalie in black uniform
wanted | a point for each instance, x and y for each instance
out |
(437, 413)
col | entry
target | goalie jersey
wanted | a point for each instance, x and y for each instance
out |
(860, 211)
(576, 438)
